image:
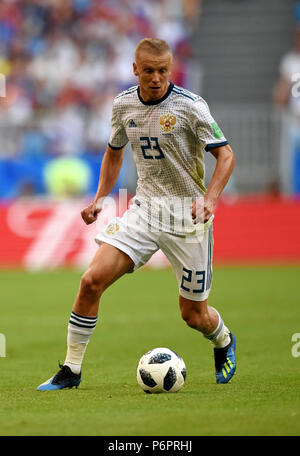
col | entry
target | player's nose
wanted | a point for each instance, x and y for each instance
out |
(155, 77)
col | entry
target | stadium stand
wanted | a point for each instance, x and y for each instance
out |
(63, 63)
(240, 44)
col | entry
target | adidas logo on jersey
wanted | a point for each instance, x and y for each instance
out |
(132, 123)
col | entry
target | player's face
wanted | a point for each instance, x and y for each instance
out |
(153, 72)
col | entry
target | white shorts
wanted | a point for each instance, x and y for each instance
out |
(189, 256)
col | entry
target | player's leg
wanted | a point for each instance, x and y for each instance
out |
(199, 315)
(204, 318)
(191, 259)
(108, 264)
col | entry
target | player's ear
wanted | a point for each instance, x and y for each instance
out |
(135, 70)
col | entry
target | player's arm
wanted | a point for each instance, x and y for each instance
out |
(203, 208)
(109, 173)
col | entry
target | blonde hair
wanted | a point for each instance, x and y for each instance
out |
(153, 46)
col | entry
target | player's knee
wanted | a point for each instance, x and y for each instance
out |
(92, 284)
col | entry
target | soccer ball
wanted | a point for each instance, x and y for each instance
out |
(161, 370)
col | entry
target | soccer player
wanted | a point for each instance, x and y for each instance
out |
(169, 129)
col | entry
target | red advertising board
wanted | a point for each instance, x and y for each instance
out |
(37, 234)
(262, 229)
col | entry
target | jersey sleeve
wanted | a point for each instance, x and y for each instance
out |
(205, 128)
(118, 137)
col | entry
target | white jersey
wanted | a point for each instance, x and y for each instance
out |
(168, 138)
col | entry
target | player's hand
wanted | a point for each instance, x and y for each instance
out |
(202, 209)
(90, 213)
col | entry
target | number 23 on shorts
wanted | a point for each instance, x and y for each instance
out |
(187, 280)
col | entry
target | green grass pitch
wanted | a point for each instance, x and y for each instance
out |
(140, 312)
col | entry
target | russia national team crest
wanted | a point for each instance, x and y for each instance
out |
(167, 122)
(112, 228)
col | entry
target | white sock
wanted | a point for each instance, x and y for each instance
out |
(220, 337)
(80, 329)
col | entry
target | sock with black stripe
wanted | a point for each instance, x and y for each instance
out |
(220, 337)
(80, 329)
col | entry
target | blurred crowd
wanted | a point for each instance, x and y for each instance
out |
(64, 61)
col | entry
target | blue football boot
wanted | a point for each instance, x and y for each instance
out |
(225, 362)
(64, 378)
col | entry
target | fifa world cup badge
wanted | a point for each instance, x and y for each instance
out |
(167, 122)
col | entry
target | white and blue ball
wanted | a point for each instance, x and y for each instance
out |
(161, 370)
